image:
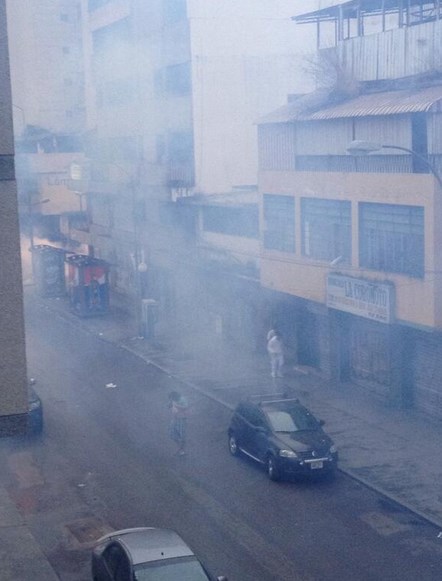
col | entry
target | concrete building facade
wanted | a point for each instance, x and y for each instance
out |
(174, 89)
(13, 373)
(45, 43)
(351, 241)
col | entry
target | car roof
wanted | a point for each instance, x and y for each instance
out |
(270, 400)
(151, 544)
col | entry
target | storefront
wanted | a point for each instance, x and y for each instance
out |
(364, 334)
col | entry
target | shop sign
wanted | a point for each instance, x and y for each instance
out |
(370, 300)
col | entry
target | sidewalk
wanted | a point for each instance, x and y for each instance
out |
(21, 557)
(396, 452)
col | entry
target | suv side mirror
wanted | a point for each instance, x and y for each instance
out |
(261, 429)
(321, 423)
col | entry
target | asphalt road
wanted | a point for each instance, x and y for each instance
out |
(106, 461)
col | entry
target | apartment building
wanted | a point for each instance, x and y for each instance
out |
(174, 89)
(13, 381)
(45, 43)
(350, 243)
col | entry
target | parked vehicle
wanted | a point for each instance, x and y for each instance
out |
(146, 554)
(282, 435)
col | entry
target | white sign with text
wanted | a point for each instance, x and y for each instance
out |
(360, 297)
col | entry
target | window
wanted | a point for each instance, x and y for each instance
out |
(94, 4)
(180, 146)
(64, 17)
(116, 149)
(326, 229)
(419, 142)
(254, 416)
(160, 149)
(66, 50)
(233, 221)
(279, 222)
(110, 38)
(177, 79)
(392, 238)
(117, 562)
(174, 10)
(292, 419)
(117, 93)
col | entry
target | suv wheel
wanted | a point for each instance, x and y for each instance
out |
(273, 471)
(233, 445)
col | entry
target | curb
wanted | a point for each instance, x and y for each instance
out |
(396, 500)
(348, 472)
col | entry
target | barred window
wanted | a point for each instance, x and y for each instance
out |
(326, 229)
(279, 222)
(391, 238)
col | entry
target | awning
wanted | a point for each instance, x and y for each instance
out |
(374, 104)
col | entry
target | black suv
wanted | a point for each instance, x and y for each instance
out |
(283, 435)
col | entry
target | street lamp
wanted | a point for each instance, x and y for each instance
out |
(360, 147)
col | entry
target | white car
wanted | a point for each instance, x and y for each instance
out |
(146, 554)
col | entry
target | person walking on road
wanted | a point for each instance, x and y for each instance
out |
(276, 352)
(178, 427)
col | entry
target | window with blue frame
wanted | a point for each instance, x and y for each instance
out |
(391, 238)
(279, 222)
(326, 229)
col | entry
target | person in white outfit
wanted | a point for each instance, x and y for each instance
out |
(276, 352)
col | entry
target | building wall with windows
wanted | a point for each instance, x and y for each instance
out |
(380, 226)
(355, 253)
(352, 242)
(46, 70)
(47, 78)
(174, 88)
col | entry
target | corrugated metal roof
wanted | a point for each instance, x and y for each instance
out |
(326, 9)
(291, 111)
(387, 103)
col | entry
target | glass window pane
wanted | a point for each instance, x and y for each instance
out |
(279, 223)
(326, 229)
(392, 238)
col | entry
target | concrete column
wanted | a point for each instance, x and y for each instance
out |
(13, 381)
